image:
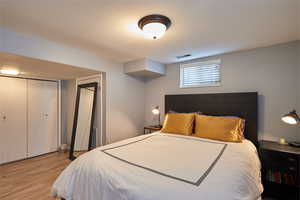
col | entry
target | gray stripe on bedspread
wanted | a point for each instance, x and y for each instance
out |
(197, 183)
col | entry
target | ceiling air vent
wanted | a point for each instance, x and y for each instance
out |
(183, 56)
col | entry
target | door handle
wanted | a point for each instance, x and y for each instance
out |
(4, 118)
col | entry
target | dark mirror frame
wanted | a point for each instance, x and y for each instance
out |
(79, 87)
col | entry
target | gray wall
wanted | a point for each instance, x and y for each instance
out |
(124, 96)
(272, 72)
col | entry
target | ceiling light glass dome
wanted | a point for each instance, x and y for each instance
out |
(154, 26)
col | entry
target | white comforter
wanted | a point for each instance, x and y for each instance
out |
(162, 167)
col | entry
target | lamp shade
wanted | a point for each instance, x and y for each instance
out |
(154, 30)
(291, 118)
(155, 110)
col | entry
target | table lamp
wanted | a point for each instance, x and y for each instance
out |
(293, 119)
(156, 111)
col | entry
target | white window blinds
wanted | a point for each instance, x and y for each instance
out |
(200, 74)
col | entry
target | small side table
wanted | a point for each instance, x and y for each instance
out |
(150, 129)
(280, 170)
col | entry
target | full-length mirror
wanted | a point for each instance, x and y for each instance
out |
(83, 126)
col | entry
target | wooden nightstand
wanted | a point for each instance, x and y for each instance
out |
(280, 170)
(150, 129)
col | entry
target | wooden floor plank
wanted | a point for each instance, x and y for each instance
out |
(33, 178)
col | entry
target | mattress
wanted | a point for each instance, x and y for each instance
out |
(163, 166)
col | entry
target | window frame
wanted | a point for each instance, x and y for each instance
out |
(195, 64)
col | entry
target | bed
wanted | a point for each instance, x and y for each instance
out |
(162, 166)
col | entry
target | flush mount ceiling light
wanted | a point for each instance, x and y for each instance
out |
(154, 26)
(9, 71)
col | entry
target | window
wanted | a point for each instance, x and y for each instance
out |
(200, 74)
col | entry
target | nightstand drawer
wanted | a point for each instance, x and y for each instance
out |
(275, 159)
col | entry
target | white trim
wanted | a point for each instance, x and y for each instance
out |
(27, 122)
(101, 109)
(59, 115)
(29, 77)
(200, 86)
(194, 64)
(87, 78)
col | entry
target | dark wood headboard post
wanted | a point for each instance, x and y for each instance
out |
(242, 105)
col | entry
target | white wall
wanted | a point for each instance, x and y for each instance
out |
(298, 89)
(298, 19)
(1, 25)
(124, 94)
(272, 72)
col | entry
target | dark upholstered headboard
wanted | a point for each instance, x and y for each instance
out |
(243, 105)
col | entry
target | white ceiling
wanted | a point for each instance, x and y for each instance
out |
(199, 27)
(35, 68)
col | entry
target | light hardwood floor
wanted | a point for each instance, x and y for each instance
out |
(31, 179)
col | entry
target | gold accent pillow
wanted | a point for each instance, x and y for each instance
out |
(227, 129)
(179, 123)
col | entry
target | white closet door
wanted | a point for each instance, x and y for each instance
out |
(42, 117)
(13, 144)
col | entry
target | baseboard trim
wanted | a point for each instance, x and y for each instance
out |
(28, 158)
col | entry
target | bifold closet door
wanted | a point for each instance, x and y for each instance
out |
(13, 144)
(42, 117)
